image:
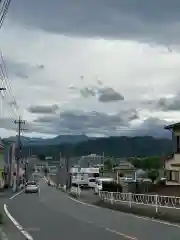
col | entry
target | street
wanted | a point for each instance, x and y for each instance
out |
(53, 215)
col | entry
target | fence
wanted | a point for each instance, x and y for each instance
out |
(75, 191)
(155, 201)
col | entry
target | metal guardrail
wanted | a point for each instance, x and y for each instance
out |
(76, 191)
(73, 190)
(156, 201)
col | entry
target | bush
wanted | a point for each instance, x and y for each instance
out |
(111, 187)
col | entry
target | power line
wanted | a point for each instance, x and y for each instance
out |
(4, 11)
(8, 96)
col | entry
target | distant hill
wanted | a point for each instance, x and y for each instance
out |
(112, 146)
(27, 141)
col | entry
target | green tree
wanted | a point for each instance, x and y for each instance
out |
(41, 157)
(147, 163)
(108, 164)
(153, 175)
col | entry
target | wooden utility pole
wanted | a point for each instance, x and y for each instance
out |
(67, 172)
(19, 122)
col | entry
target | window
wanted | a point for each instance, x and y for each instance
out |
(172, 175)
(92, 180)
(178, 144)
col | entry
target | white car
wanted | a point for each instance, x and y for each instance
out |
(99, 183)
(31, 187)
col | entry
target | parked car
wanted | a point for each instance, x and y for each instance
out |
(31, 187)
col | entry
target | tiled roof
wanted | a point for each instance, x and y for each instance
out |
(172, 126)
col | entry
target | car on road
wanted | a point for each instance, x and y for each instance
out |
(31, 187)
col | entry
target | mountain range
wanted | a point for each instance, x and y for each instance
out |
(81, 145)
(50, 141)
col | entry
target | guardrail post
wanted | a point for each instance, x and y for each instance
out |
(112, 198)
(130, 199)
(156, 203)
(99, 193)
(78, 191)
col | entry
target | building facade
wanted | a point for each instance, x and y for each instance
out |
(172, 164)
(91, 160)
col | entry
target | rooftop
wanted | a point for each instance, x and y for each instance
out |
(173, 126)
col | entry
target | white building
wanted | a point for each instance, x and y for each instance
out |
(91, 160)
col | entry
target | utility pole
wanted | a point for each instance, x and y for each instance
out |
(19, 122)
(67, 172)
(102, 164)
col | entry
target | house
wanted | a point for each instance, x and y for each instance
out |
(1, 164)
(172, 164)
(91, 160)
(125, 168)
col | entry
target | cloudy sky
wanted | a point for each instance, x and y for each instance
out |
(91, 67)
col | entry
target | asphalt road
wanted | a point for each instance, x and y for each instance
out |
(53, 215)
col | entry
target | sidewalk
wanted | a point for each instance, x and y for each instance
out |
(9, 231)
(7, 193)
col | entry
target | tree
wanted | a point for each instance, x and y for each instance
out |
(108, 164)
(147, 163)
(153, 175)
(41, 157)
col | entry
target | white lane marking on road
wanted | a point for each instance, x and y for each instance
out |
(132, 215)
(107, 229)
(83, 203)
(15, 195)
(121, 234)
(17, 225)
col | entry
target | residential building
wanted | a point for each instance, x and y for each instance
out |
(125, 168)
(1, 164)
(172, 164)
(91, 160)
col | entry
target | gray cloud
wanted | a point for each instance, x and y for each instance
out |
(7, 123)
(87, 92)
(22, 69)
(40, 109)
(76, 122)
(153, 127)
(141, 20)
(103, 94)
(165, 104)
(41, 66)
(71, 122)
(172, 104)
(109, 95)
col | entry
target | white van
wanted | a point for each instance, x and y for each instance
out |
(99, 182)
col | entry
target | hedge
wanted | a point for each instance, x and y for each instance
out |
(111, 187)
